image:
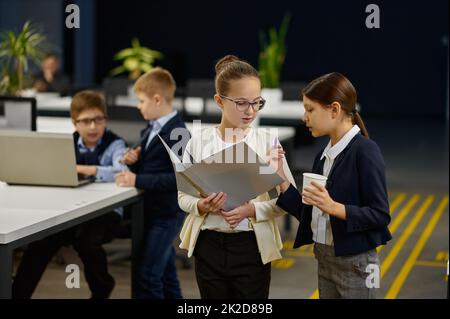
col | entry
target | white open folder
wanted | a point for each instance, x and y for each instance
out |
(237, 171)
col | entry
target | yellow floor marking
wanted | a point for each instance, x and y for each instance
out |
(409, 264)
(393, 253)
(402, 214)
(429, 263)
(284, 263)
(297, 253)
(442, 256)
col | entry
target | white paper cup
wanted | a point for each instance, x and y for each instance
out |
(309, 177)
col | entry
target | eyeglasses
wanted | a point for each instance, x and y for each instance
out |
(243, 105)
(98, 120)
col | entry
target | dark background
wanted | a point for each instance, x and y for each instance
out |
(399, 70)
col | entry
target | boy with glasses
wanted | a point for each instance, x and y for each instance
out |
(98, 153)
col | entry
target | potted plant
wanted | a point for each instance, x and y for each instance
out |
(16, 53)
(271, 60)
(135, 60)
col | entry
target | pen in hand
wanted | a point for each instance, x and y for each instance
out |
(136, 148)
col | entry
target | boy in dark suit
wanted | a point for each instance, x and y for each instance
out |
(151, 169)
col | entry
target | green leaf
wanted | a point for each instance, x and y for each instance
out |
(118, 70)
(272, 54)
(136, 59)
(145, 67)
(18, 51)
(131, 64)
(125, 53)
(135, 43)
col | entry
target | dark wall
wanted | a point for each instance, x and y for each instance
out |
(46, 14)
(400, 69)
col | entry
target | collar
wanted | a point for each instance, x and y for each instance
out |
(160, 122)
(81, 145)
(333, 151)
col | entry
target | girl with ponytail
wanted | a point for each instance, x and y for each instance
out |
(346, 219)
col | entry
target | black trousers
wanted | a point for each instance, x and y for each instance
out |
(87, 240)
(228, 265)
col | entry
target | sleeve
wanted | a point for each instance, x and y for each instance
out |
(111, 162)
(374, 213)
(291, 202)
(266, 210)
(157, 181)
(134, 168)
(188, 203)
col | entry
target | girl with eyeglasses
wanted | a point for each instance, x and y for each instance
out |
(233, 249)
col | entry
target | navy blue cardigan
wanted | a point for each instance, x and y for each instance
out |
(356, 180)
(155, 174)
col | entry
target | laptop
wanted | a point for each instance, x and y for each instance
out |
(34, 158)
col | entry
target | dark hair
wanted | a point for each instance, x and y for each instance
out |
(230, 67)
(49, 55)
(335, 87)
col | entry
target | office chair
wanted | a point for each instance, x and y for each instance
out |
(204, 89)
(114, 87)
(127, 122)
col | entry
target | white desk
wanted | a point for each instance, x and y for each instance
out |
(29, 213)
(194, 107)
(286, 110)
(51, 124)
(53, 102)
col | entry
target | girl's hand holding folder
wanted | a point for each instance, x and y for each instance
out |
(235, 216)
(212, 203)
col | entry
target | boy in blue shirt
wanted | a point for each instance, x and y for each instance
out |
(98, 154)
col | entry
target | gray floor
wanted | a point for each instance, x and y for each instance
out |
(414, 262)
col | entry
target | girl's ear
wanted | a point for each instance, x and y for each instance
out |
(336, 109)
(218, 100)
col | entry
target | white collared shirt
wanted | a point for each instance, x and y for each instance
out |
(157, 125)
(320, 223)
